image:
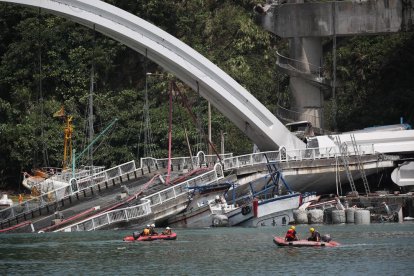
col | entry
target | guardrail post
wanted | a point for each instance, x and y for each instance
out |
(13, 213)
(41, 201)
(126, 215)
(159, 195)
(108, 218)
(70, 190)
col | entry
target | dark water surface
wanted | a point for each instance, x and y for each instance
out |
(376, 249)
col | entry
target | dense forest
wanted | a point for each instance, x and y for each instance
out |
(46, 62)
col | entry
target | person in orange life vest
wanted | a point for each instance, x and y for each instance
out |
(146, 231)
(291, 234)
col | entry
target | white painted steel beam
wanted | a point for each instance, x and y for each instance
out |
(223, 92)
(387, 142)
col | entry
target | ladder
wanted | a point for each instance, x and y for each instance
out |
(359, 164)
(343, 150)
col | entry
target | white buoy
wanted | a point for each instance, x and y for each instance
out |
(315, 216)
(350, 215)
(300, 216)
(362, 217)
(338, 216)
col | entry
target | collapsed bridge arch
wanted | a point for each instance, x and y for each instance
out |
(222, 91)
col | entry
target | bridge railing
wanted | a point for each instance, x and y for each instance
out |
(177, 190)
(144, 209)
(180, 162)
(105, 176)
(56, 195)
(185, 162)
(110, 217)
(90, 181)
(34, 203)
(84, 172)
(295, 116)
(300, 66)
(229, 163)
(292, 155)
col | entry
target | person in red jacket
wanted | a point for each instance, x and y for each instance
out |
(291, 234)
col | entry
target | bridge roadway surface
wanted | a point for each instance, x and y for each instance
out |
(249, 174)
(116, 195)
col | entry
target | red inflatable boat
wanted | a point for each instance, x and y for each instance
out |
(304, 243)
(173, 236)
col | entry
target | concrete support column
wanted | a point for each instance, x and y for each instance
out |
(308, 99)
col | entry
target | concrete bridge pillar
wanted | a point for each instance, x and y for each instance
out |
(305, 24)
(308, 99)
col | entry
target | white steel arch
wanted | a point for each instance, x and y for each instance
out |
(222, 91)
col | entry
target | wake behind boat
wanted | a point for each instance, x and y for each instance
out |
(304, 243)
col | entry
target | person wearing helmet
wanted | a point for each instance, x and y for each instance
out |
(291, 234)
(167, 231)
(315, 236)
(217, 199)
(146, 231)
(152, 230)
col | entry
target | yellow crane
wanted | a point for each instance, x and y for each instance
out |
(67, 146)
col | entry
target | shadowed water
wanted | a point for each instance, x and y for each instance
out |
(376, 249)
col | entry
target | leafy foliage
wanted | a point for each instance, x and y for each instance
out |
(45, 63)
(376, 78)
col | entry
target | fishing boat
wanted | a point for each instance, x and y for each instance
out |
(276, 211)
(5, 201)
(52, 179)
(304, 243)
(268, 206)
(134, 237)
(198, 212)
(45, 179)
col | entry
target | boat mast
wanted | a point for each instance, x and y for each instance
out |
(67, 147)
(195, 118)
(169, 134)
(90, 117)
(41, 100)
(210, 150)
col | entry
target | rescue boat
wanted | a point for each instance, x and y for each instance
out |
(134, 237)
(304, 243)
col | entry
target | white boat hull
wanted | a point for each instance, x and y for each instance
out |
(275, 211)
(198, 218)
(403, 176)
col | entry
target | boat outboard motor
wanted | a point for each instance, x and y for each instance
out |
(136, 235)
(326, 238)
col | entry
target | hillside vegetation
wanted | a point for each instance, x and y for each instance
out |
(46, 61)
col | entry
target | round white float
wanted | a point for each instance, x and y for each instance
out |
(362, 217)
